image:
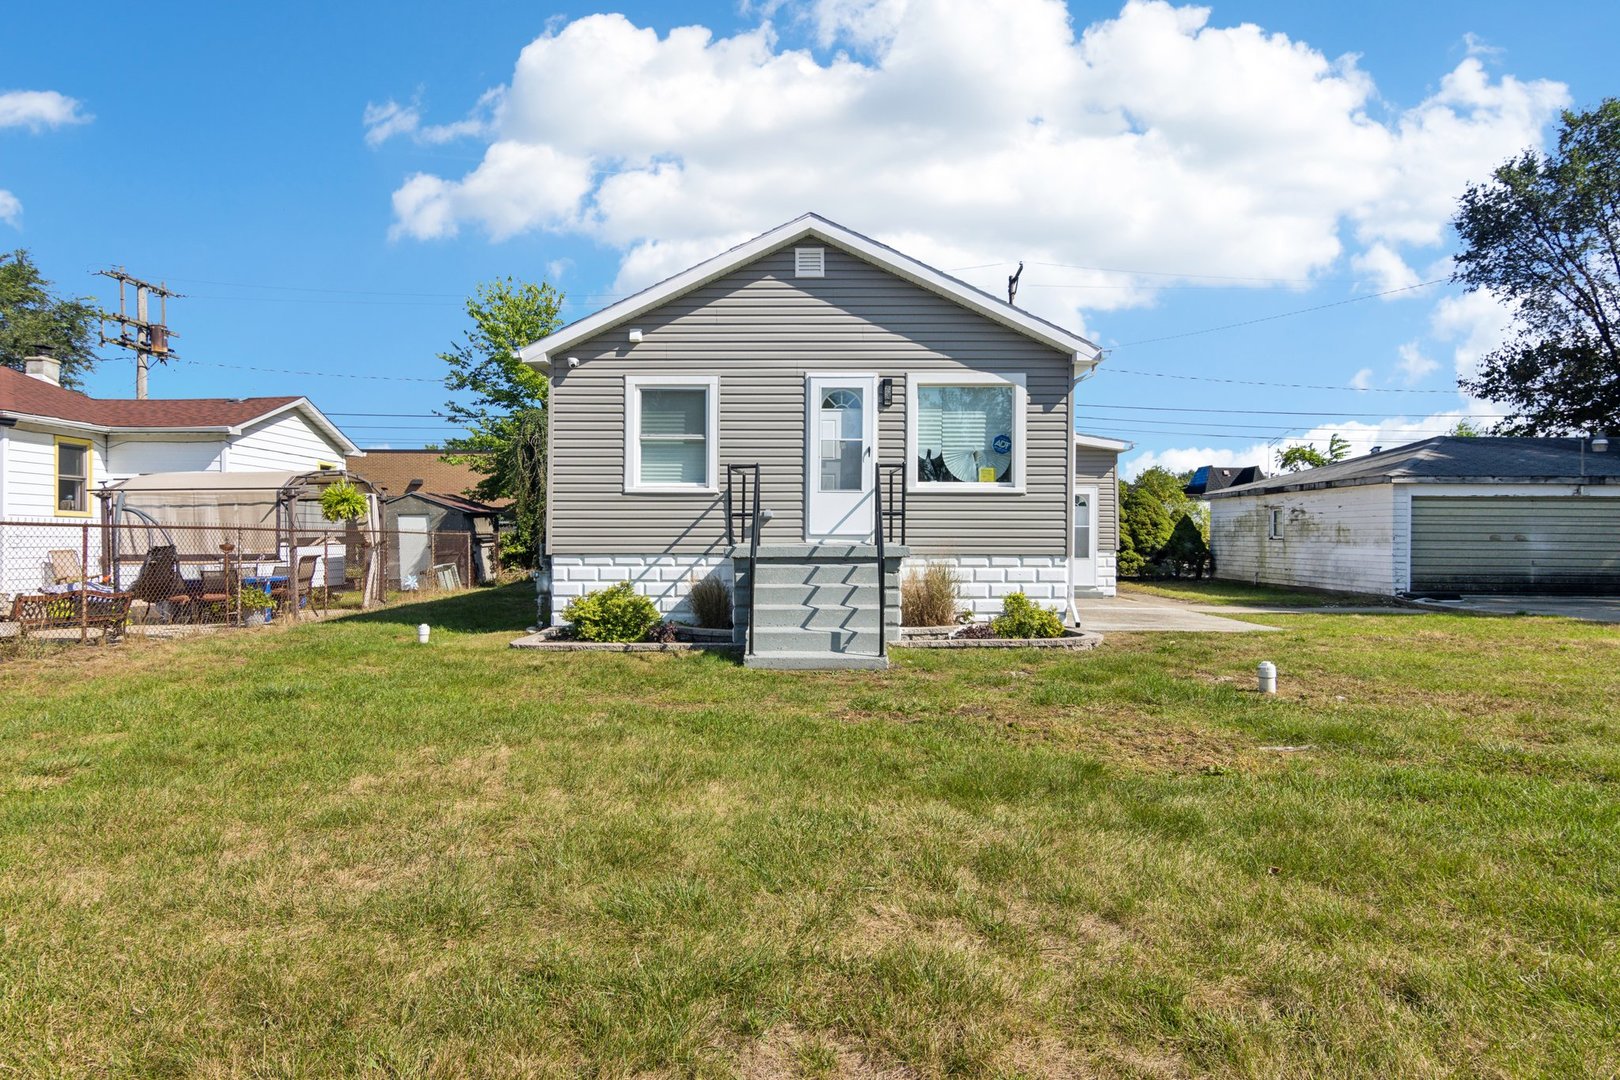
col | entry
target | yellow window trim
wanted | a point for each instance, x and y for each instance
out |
(56, 473)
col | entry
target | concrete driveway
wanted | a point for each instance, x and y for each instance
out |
(1604, 609)
(1121, 614)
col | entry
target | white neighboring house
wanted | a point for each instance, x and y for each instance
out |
(58, 446)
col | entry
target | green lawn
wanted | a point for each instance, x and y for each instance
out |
(1241, 594)
(329, 850)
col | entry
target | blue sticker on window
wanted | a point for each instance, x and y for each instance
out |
(1001, 444)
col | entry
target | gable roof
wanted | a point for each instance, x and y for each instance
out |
(1086, 355)
(447, 482)
(1456, 459)
(25, 397)
(1212, 478)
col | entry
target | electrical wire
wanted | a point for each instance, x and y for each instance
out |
(1276, 385)
(1281, 315)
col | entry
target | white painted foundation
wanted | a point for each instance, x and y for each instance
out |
(663, 579)
(987, 580)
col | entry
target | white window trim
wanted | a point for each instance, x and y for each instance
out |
(633, 385)
(915, 380)
(1276, 522)
(1095, 492)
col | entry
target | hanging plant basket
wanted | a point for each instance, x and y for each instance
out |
(342, 502)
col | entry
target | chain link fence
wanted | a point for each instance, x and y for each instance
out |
(88, 582)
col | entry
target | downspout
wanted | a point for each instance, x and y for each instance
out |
(1072, 610)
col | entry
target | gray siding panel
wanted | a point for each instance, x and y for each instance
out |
(1101, 467)
(1515, 544)
(761, 331)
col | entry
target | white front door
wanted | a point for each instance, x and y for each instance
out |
(840, 435)
(1085, 537)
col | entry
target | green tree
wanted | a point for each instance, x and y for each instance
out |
(503, 401)
(1307, 456)
(1466, 429)
(31, 317)
(1544, 237)
(1150, 508)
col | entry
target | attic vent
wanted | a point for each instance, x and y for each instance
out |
(810, 262)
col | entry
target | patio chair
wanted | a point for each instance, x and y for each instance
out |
(218, 593)
(304, 579)
(161, 587)
(66, 566)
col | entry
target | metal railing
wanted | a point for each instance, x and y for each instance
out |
(892, 511)
(740, 476)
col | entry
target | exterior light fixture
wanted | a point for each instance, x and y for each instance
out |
(1600, 443)
(885, 393)
(635, 337)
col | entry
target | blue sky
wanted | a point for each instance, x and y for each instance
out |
(326, 182)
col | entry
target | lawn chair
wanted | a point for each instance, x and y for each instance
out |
(303, 579)
(66, 566)
(161, 587)
(218, 595)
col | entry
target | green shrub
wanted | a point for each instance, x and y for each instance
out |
(928, 595)
(1020, 618)
(616, 613)
(710, 601)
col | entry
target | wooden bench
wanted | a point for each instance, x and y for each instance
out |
(62, 616)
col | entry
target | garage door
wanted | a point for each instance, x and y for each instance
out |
(1479, 545)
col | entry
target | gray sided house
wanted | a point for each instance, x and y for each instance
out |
(1445, 515)
(822, 375)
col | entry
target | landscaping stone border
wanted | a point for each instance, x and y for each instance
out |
(551, 640)
(938, 637)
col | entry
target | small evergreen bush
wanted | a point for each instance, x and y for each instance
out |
(616, 613)
(710, 601)
(928, 595)
(1020, 618)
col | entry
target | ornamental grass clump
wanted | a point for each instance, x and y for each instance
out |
(1020, 618)
(342, 501)
(710, 601)
(616, 613)
(928, 596)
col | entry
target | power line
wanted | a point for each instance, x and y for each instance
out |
(1244, 412)
(1281, 315)
(315, 374)
(1282, 385)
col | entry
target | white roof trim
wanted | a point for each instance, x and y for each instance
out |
(1086, 355)
(303, 405)
(1097, 442)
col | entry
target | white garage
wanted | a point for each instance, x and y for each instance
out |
(1446, 515)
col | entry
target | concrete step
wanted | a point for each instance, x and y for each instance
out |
(800, 639)
(814, 617)
(816, 661)
(808, 573)
(862, 596)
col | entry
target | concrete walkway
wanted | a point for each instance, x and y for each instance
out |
(1126, 614)
(1603, 609)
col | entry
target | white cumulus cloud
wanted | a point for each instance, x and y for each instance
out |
(10, 208)
(37, 110)
(970, 133)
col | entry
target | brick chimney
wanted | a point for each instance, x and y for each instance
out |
(47, 369)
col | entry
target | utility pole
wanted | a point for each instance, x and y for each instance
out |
(146, 338)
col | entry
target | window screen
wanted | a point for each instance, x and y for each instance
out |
(72, 476)
(674, 443)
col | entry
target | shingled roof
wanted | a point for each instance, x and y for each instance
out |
(450, 483)
(24, 395)
(1455, 459)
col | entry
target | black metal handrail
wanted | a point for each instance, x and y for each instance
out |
(882, 568)
(893, 503)
(751, 518)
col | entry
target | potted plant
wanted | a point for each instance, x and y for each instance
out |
(255, 605)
